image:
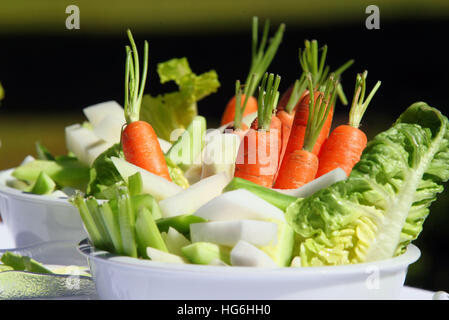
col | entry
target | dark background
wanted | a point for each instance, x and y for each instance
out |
(49, 76)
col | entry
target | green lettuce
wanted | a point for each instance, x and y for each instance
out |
(176, 110)
(103, 173)
(382, 206)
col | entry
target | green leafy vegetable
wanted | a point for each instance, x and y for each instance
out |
(43, 153)
(103, 172)
(382, 206)
(176, 110)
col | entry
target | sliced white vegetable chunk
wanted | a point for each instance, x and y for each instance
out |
(174, 240)
(313, 186)
(109, 129)
(165, 145)
(27, 159)
(247, 255)
(239, 204)
(228, 233)
(97, 112)
(58, 194)
(93, 152)
(219, 155)
(218, 263)
(189, 200)
(296, 262)
(79, 139)
(157, 186)
(161, 256)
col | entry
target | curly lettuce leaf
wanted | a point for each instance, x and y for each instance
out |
(103, 173)
(381, 208)
(176, 110)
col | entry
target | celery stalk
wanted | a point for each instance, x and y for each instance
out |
(88, 220)
(127, 226)
(94, 210)
(148, 234)
(135, 184)
(111, 222)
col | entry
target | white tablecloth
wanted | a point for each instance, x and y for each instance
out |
(408, 293)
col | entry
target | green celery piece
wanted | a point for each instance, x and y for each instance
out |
(94, 210)
(280, 200)
(135, 184)
(43, 153)
(146, 201)
(184, 152)
(109, 192)
(127, 224)
(22, 263)
(175, 241)
(66, 173)
(180, 223)
(176, 174)
(88, 220)
(206, 252)
(382, 206)
(111, 222)
(147, 233)
(43, 185)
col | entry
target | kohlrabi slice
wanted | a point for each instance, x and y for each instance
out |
(96, 113)
(247, 255)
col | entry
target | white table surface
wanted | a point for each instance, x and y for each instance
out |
(408, 293)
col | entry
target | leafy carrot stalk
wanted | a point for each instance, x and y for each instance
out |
(346, 143)
(258, 155)
(300, 165)
(139, 141)
(260, 61)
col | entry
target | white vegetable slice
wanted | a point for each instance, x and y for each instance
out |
(79, 139)
(219, 155)
(97, 112)
(247, 255)
(58, 194)
(27, 159)
(109, 128)
(296, 262)
(165, 145)
(175, 240)
(239, 204)
(93, 152)
(161, 256)
(218, 263)
(228, 233)
(189, 200)
(157, 186)
(313, 186)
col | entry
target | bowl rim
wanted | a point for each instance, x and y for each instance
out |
(410, 256)
(4, 174)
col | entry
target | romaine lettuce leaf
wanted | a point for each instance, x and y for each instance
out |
(103, 172)
(382, 206)
(175, 110)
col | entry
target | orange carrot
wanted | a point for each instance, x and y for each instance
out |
(258, 154)
(139, 141)
(346, 143)
(260, 61)
(300, 164)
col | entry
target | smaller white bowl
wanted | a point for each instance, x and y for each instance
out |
(118, 277)
(33, 219)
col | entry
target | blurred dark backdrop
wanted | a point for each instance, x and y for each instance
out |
(50, 73)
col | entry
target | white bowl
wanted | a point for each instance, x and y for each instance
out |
(119, 277)
(33, 219)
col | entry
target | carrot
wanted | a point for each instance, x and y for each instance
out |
(139, 141)
(300, 164)
(260, 61)
(346, 143)
(258, 155)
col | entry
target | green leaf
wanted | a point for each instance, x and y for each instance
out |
(43, 153)
(381, 207)
(176, 110)
(23, 263)
(103, 172)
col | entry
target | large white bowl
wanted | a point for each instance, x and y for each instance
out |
(129, 278)
(33, 219)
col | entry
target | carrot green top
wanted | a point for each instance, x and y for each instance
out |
(319, 109)
(359, 106)
(267, 100)
(260, 61)
(134, 87)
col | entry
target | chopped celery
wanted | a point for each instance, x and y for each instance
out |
(111, 222)
(127, 226)
(147, 233)
(135, 184)
(22, 263)
(95, 212)
(88, 220)
(43, 185)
